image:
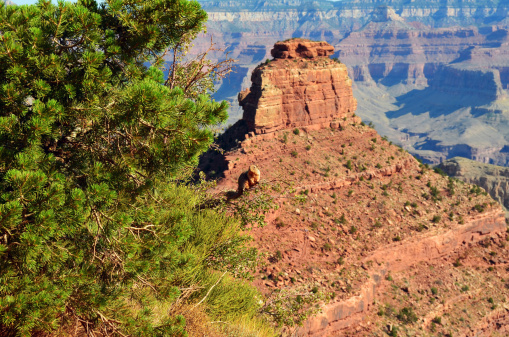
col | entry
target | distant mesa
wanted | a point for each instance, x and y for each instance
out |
(301, 87)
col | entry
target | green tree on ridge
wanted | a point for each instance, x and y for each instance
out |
(94, 228)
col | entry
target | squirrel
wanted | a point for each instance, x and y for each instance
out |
(248, 179)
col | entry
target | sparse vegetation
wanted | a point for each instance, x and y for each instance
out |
(407, 315)
(480, 208)
(341, 220)
(477, 190)
(278, 256)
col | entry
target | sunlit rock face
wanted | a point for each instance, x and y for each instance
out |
(302, 86)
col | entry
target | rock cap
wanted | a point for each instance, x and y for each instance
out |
(300, 48)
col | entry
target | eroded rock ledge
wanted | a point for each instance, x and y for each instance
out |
(301, 87)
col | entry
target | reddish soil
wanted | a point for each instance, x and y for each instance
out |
(353, 208)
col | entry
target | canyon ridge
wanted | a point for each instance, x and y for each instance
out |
(380, 241)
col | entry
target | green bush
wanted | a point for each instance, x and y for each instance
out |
(407, 315)
(341, 220)
(479, 208)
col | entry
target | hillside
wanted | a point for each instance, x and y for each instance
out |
(387, 242)
(493, 179)
(412, 63)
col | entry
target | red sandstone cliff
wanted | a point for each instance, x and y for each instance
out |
(302, 86)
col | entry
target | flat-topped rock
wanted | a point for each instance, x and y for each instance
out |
(300, 48)
(305, 91)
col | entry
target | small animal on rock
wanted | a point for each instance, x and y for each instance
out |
(248, 179)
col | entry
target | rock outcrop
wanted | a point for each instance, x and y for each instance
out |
(301, 87)
(449, 59)
(298, 48)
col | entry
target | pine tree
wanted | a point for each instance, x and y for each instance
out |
(94, 227)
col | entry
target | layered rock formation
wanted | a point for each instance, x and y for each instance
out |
(439, 93)
(432, 76)
(387, 243)
(300, 87)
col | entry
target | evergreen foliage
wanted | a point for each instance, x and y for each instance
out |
(96, 227)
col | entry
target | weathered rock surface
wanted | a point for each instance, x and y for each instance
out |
(301, 87)
(340, 315)
(299, 48)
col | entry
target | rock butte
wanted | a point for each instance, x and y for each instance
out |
(301, 87)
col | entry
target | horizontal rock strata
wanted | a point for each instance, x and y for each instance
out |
(301, 87)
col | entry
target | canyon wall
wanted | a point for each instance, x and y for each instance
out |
(338, 316)
(431, 76)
